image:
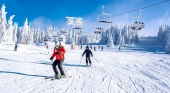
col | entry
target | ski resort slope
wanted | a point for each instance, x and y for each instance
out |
(141, 68)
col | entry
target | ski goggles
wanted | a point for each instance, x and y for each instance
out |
(57, 47)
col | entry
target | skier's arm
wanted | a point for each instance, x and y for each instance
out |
(84, 52)
(53, 55)
(91, 53)
(64, 51)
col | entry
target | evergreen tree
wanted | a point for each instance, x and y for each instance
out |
(3, 33)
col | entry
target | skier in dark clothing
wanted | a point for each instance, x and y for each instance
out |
(102, 48)
(16, 45)
(88, 52)
(94, 48)
(90, 47)
(81, 47)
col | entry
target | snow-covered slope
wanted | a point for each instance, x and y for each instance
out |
(131, 70)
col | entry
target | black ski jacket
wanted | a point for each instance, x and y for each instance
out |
(88, 52)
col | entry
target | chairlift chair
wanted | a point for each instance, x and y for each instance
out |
(79, 32)
(104, 18)
(55, 36)
(98, 30)
(63, 31)
(139, 23)
(77, 28)
(60, 39)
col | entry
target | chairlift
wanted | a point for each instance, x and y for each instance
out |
(45, 40)
(79, 32)
(98, 30)
(47, 36)
(104, 18)
(55, 36)
(77, 28)
(63, 31)
(60, 39)
(138, 24)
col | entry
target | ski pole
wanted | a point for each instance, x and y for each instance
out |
(96, 60)
(65, 71)
(80, 60)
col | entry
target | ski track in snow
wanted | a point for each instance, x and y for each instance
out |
(112, 71)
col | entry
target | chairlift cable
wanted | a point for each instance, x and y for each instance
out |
(133, 10)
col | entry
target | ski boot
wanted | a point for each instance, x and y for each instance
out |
(57, 76)
(62, 76)
(90, 64)
(86, 64)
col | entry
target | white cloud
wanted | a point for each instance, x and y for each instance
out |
(152, 27)
(42, 23)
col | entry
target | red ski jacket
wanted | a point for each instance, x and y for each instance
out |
(61, 51)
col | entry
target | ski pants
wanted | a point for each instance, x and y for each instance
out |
(59, 63)
(15, 48)
(88, 59)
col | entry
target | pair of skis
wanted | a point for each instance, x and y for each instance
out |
(54, 78)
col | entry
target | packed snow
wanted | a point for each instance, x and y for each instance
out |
(140, 68)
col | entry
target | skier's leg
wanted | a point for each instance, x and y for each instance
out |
(54, 67)
(89, 60)
(61, 68)
(15, 48)
(86, 60)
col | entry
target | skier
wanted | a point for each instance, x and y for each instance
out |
(88, 52)
(46, 44)
(94, 48)
(16, 45)
(119, 48)
(59, 52)
(102, 48)
(90, 47)
(81, 47)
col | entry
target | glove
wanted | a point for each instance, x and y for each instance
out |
(57, 52)
(51, 58)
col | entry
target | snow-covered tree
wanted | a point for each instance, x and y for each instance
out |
(9, 29)
(24, 33)
(167, 47)
(15, 29)
(3, 33)
(164, 37)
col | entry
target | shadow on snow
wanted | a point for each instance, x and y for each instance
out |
(76, 65)
(22, 74)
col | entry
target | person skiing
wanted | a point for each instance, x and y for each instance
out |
(94, 48)
(81, 46)
(102, 48)
(58, 52)
(88, 52)
(16, 45)
(90, 47)
(46, 44)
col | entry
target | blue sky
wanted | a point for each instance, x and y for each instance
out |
(42, 13)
